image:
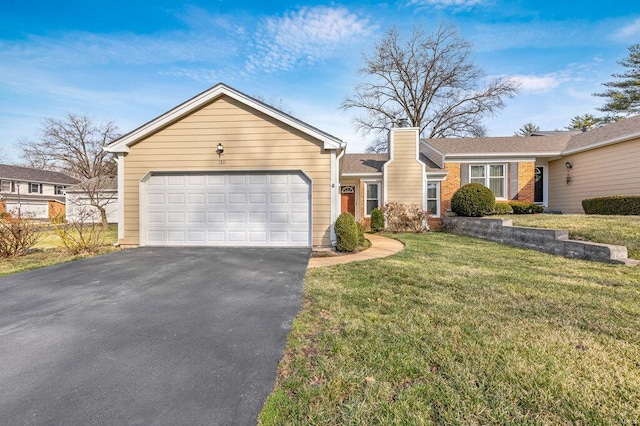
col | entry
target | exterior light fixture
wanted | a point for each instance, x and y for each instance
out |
(219, 149)
(569, 166)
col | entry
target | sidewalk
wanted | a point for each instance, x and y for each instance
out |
(380, 247)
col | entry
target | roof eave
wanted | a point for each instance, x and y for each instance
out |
(123, 143)
(501, 155)
(601, 144)
(368, 174)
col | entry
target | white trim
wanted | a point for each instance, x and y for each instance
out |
(335, 193)
(123, 143)
(490, 158)
(120, 163)
(372, 174)
(367, 183)
(438, 197)
(436, 176)
(601, 144)
(502, 154)
(545, 182)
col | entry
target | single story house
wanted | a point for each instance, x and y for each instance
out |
(83, 198)
(226, 169)
(33, 192)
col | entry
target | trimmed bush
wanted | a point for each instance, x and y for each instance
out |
(521, 207)
(360, 233)
(347, 232)
(377, 220)
(502, 208)
(615, 205)
(473, 200)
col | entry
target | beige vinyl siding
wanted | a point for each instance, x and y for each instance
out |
(610, 170)
(252, 141)
(404, 173)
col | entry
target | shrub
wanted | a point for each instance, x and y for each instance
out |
(521, 207)
(360, 233)
(502, 208)
(377, 220)
(405, 217)
(346, 232)
(18, 235)
(473, 200)
(615, 205)
(80, 235)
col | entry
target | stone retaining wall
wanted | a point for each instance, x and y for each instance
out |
(547, 240)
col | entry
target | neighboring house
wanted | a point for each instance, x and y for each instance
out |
(33, 192)
(226, 169)
(81, 200)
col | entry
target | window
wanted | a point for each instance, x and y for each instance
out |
(433, 198)
(7, 186)
(371, 197)
(59, 189)
(35, 188)
(490, 175)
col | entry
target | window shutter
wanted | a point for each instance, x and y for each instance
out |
(513, 181)
(464, 174)
(41, 188)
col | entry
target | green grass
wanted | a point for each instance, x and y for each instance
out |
(49, 251)
(456, 330)
(618, 230)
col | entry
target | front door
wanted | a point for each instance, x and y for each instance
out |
(348, 199)
(538, 193)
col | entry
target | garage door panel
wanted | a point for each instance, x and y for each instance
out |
(257, 209)
(173, 180)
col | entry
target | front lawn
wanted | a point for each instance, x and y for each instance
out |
(618, 230)
(456, 330)
(48, 251)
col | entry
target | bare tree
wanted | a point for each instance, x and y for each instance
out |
(74, 146)
(429, 79)
(274, 102)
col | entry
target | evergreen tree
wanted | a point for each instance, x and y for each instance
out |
(623, 95)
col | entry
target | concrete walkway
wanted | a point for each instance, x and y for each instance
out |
(380, 247)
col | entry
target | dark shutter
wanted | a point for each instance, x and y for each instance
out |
(513, 181)
(41, 188)
(464, 174)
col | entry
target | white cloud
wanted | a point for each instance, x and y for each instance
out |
(305, 37)
(536, 83)
(628, 32)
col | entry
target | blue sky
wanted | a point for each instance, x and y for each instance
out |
(130, 61)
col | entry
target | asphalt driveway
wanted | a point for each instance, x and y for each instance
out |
(147, 336)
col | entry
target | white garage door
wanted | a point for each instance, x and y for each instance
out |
(244, 209)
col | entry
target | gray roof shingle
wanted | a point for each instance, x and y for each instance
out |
(363, 163)
(627, 128)
(501, 145)
(28, 174)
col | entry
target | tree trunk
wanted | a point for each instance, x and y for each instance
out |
(103, 216)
